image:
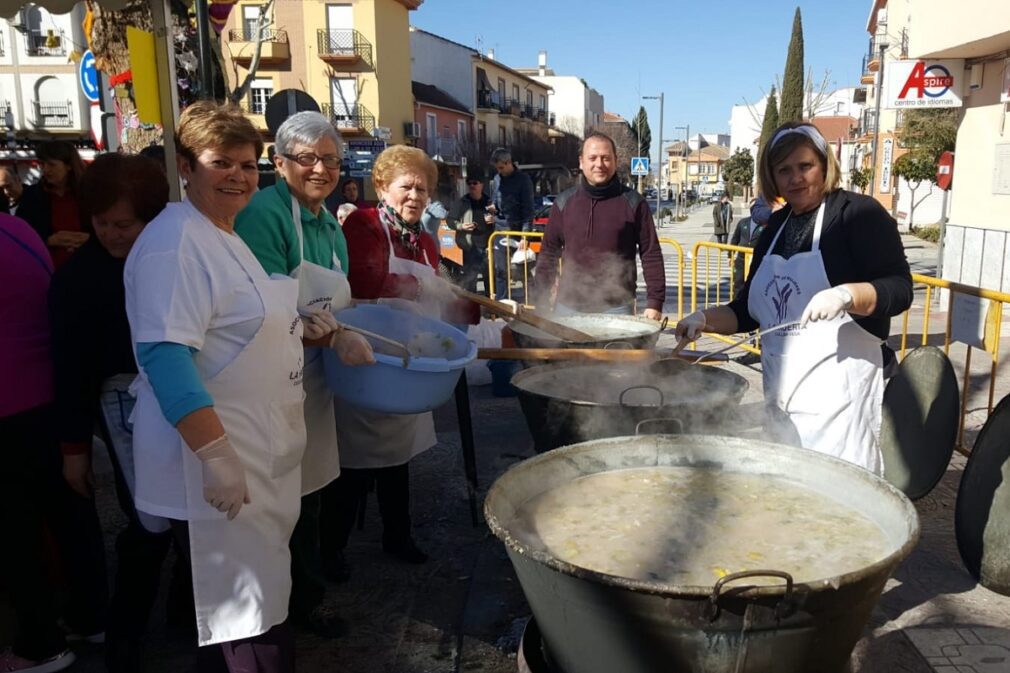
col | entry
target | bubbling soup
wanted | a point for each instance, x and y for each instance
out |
(691, 526)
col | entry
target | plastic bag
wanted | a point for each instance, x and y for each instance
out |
(486, 334)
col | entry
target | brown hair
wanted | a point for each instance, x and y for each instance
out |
(114, 177)
(773, 155)
(598, 135)
(206, 125)
(61, 150)
(399, 159)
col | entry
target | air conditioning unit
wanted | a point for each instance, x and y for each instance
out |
(412, 129)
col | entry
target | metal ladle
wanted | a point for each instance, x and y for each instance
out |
(669, 366)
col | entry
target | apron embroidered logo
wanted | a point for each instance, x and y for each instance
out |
(780, 293)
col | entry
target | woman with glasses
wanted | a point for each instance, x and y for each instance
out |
(218, 427)
(291, 233)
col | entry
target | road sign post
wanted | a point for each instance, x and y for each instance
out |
(640, 166)
(87, 77)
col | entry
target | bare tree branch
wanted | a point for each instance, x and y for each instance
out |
(263, 23)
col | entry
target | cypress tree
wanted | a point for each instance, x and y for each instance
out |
(791, 109)
(770, 122)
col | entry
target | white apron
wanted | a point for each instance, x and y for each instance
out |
(826, 377)
(370, 439)
(318, 287)
(242, 568)
(116, 405)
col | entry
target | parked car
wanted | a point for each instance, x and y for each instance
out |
(548, 199)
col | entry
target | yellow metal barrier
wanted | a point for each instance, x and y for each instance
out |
(532, 240)
(994, 324)
(714, 282)
(680, 273)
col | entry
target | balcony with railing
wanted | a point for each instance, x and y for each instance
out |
(345, 47)
(274, 46)
(2, 50)
(52, 115)
(350, 119)
(6, 114)
(868, 123)
(39, 44)
(512, 106)
(488, 99)
(446, 149)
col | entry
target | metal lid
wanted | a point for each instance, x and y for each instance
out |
(918, 426)
(982, 517)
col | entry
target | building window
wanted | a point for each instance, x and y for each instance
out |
(503, 137)
(259, 93)
(501, 91)
(481, 134)
(515, 93)
(529, 98)
(461, 129)
(250, 20)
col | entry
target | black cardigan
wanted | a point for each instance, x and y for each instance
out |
(859, 244)
(36, 208)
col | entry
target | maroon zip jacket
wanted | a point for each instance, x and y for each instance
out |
(597, 239)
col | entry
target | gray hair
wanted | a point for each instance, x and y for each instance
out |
(306, 128)
(501, 154)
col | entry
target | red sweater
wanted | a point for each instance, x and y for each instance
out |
(369, 276)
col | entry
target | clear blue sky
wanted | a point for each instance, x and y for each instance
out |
(704, 56)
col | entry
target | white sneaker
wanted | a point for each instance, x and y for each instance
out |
(10, 662)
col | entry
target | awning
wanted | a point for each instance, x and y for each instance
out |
(483, 83)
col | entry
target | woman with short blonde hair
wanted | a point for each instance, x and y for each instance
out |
(831, 267)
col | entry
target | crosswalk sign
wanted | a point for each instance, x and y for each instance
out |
(639, 165)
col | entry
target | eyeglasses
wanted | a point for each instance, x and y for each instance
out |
(308, 159)
(473, 182)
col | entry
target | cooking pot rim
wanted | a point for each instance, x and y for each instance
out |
(740, 384)
(655, 327)
(689, 590)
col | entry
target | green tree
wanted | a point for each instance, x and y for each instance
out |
(791, 109)
(643, 136)
(738, 171)
(859, 178)
(770, 122)
(929, 133)
(916, 168)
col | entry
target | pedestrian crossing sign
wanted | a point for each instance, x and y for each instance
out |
(639, 165)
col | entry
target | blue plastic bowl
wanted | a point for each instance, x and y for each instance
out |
(387, 386)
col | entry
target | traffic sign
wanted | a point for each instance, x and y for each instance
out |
(945, 170)
(87, 77)
(639, 165)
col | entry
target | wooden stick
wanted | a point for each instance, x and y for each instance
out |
(504, 310)
(590, 354)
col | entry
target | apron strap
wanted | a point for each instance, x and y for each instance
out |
(296, 216)
(818, 226)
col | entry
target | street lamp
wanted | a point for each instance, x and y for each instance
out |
(687, 153)
(659, 169)
(876, 131)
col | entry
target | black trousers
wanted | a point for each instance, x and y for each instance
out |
(474, 265)
(308, 585)
(343, 498)
(270, 652)
(34, 496)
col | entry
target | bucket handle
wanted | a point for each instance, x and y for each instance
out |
(662, 325)
(785, 607)
(620, 399)
(675, 421)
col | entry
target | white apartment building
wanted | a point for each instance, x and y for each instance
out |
(39, 92)
(578, 107)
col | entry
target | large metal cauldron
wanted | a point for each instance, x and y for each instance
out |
(625, 331)
(597, 623)
(567, 403)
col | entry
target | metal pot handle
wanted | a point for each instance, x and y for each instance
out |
(675, 421)
(620, 399)
(784, 608)
(623, 345)
(662, 325)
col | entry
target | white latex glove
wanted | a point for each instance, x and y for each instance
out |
(827, 305)
(224, 484)
(317, 322)
(435, 288)
(689, 329)
(352, 348)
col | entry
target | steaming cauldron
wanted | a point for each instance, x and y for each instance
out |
(566, 403)
(746, 623)
(626, 331)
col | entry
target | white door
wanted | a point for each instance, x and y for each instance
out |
(344, 96)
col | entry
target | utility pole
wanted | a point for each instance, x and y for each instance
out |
(682, 197)
(876, 122)
(659, 163)
(204, 50)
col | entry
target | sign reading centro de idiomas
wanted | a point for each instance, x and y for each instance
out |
(923, 83)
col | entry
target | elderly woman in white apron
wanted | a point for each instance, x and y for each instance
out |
(833, 261)
(393, 260)
(218, 427)
(291, 233)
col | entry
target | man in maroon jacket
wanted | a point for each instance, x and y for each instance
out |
(597, 227)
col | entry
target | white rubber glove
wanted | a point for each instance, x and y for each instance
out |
(827, 305)
(224, 484)
(690, 327)
(352, 348)
(435, 288)
(318, 322)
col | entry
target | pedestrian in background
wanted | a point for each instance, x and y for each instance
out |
(722, 217)
(747, 232)
(11, 190)
(52, 206)
(467, 219)
(511, 209)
